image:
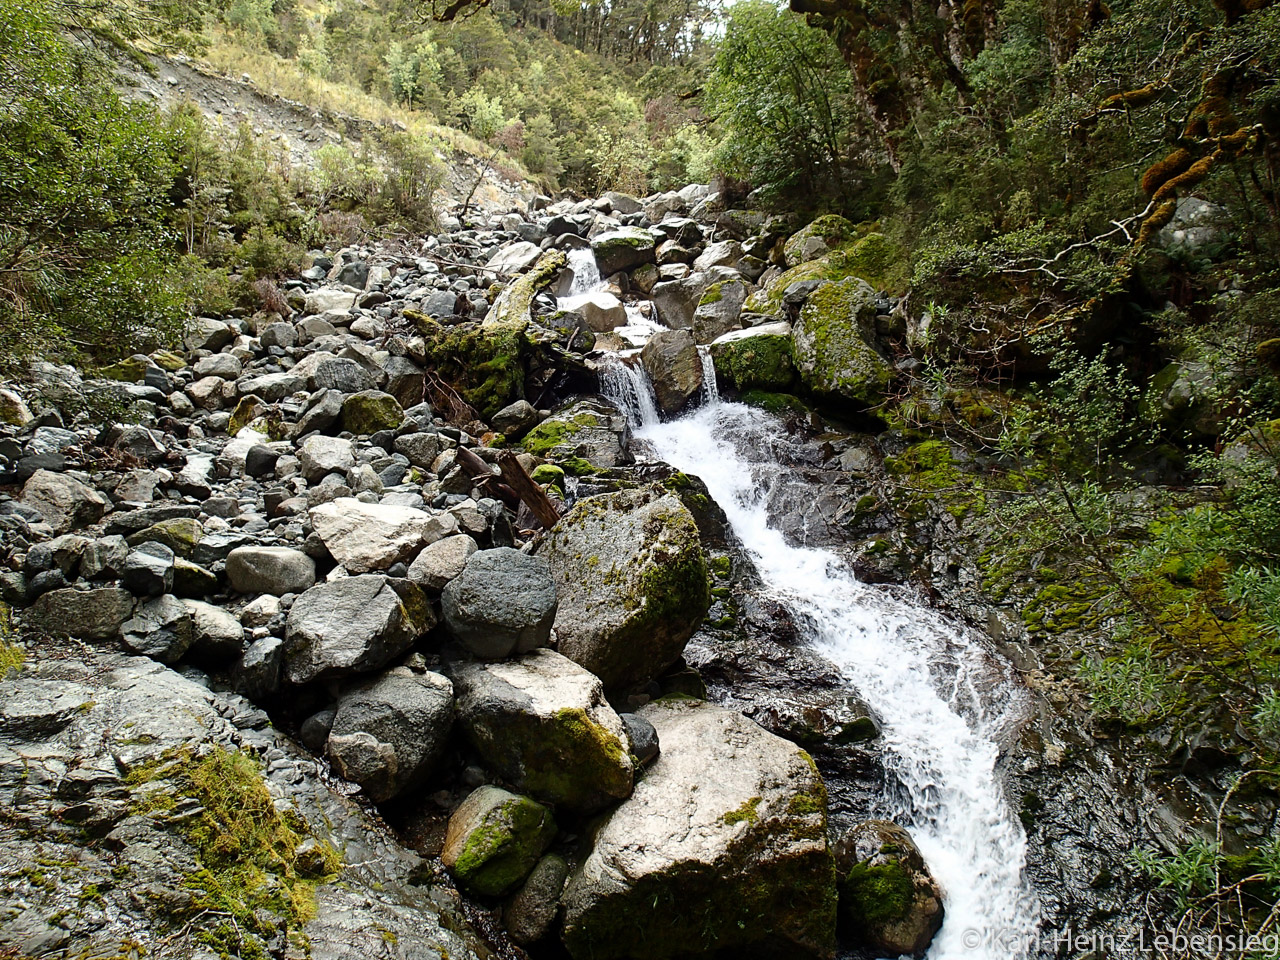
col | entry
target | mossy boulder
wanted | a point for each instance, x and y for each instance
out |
(1183, 397)
(168, 360)
(130, 370)
(13, 409)
(722, 849)
(833, 353)
(513, 307)
(623, 249)
(369, 411)
(759, 358)
(584, 437)
(494, 839)
(820, 235)
(181, 535)
(888, 899)
(485, 364)
(542, 724)
(632, 581)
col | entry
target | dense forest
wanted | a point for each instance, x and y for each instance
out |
(1070, 208)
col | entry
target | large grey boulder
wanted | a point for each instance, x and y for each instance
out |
(65, 503)
(602, 311)
(542, 724)
(672, 362)
(160, 629)
(494, 840)
(388, 733)
(623, 249)
(273, 570)
(730, 818)
(372, 536)
(726, 253)
(442, 561)
(324, 455)
(632, 582)
(503, 602)
(353, 625)
(530, 914)
(832, 343)
(148, 570)
(888, 899)
(83, 614)
(719, 310)
(216, 634)
(515, 258)
(677, 300)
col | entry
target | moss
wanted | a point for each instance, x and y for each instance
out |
(131, 370)
(747, 813)
(721, 566)
(512, 307)
(713, 294)
(247, 410)
(779, 404)
(12, 656)
(168, 360)
(368, 412)
(549, 473)
(501, 851)
(833, 230)
(543, 439)
(763, 362)
(180, 535)
(874, 895)
(833, 358)
(249, 872)
(678, 587)
(485, 364)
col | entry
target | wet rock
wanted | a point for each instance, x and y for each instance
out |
(589, 430)
(672, 362)
(531, 913)
(747, 845)
(623, 250)
(541, 723)
(354, 624)
(65, 503)
(602, 311)
(368, 536)
(503, 602)
(388, 733)
(643, 736)
(83, 614)
(495, 839)
(632, 582)
(888, 899)
(273, 570)
(441, 562)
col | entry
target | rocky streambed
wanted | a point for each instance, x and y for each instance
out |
(307, 668)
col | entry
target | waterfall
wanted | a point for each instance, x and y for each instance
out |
(945, 702)
(586, 273)
(709, 385)
(628, 386)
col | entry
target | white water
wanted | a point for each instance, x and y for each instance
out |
(586, 273)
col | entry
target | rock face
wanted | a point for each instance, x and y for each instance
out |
(503, 602)
(353, 624)
(724, 839)
(632, 581)
(888, 899)
(542, 724)
(116, 767)
(371, 536)
(832, 352)
(494, 839)
(672, 362)
(388, 734)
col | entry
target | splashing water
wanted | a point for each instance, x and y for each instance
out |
(945, 702)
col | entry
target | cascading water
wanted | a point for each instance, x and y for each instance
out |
(630, 390)
(586, 273)
(945, 702)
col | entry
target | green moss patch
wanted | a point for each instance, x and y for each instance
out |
(484, 364)
(871, 896)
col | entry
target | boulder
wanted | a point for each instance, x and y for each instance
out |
(494, 840)
(329, 298)
(624, 249)
(83, 614)
(677, 300)
(671, 359)
(585, 435)
(319, 456)
(160, 629)
(353, 624)
(514, 259)
(388, 733)
(532, 911)
(421, 448)
(273, 570)
(888, 899)
(516, 418)
(65, 503)
(542, 724)
(369, 411)
(722, 849)
(814, 240)
(601, 310)
(719, 310)
(148, 570)
(257, 673)
(514, 304)
(504, 601)
(632, 582)
(216, 634)
(832, 342)
(726, 253)
(327, 372)
(13, 409)
(440, 562)
(371, 536)
(758, 358)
